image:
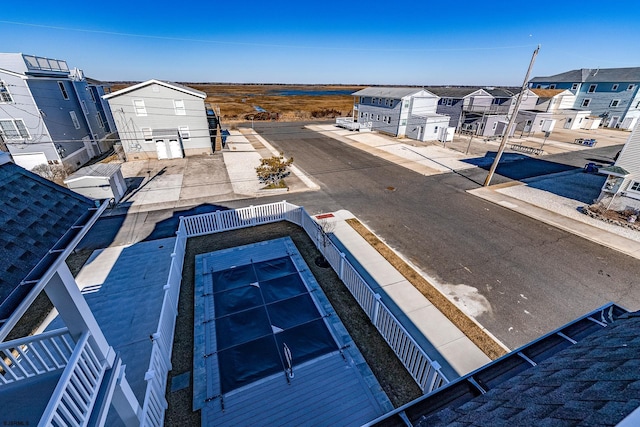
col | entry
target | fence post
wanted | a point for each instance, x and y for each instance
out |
(376, 309)
(218, 221)
(341, 267)
(252, 209)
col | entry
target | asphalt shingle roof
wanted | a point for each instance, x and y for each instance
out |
(595, 382)
(388, 92)
(587, 75)
(35, 214)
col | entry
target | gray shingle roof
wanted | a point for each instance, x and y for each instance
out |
(453, 92)
(595, 382)
(587, 75)
(35, 214)
(388, 92)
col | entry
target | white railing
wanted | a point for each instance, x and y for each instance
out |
(214, 222)
(77, 389)
(347, 123)
(155, 403)
(424, 371)
(34, 355)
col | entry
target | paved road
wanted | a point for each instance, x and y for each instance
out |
(522, 278)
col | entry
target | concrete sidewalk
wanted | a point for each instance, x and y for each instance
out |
(435, 333)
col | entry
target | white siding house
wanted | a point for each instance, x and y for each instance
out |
(621, 190)
(161, 120)
(400, 112)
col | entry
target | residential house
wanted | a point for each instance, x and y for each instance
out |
(163, 120)
(401, 111)
(71, 375)
(456, 101)
(621, 190)
(554, 100)
(482, 111)
(50, 114)
(609, 93)
(586, 373)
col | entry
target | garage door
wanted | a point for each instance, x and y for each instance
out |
(161, 149)
(29, 160)
(175, 149)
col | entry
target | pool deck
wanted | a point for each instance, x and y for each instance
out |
(336, 388)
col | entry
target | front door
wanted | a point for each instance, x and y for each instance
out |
(614, 121)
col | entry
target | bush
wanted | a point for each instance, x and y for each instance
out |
(55, 173)
(273, 170)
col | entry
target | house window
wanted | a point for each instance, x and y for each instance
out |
(403, 122)
(574, 86)
(635, 186)
(552, 86)
(406, 104)
(630, 87)
(74, 119)
(361, 115)
(184, 132)
(14, 129)
(100, 121)
(140, 109)
(614, 87)
(449, 102)
(91, 95)
(435, 129)
(377, 117)
(373, 100)
(614, 103)
(586, 102)
(592, 88)
(84, 106)
(379, 100)
(178, 106)
(65, 95)
(5, 96)
(495, 125)
(362, 100)
(389, 120)
(147, 134)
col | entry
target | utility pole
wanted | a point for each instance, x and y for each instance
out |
(512, 120)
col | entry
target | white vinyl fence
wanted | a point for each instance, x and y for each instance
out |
(425, 371)
(155, 402)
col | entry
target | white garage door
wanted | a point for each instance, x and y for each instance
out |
(161, 148)
(175, 149)
(29, 160)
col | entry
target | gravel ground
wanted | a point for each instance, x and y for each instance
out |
(565, 193)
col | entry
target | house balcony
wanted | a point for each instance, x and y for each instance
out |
(52, 380)
(487, 109)
(38, 65)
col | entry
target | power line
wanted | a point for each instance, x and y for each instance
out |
(235, 43)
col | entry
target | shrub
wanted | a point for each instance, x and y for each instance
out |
(273, 170)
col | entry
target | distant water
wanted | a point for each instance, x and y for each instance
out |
(310, 92)
(259, 109)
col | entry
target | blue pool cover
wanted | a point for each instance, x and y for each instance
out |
(260, 307)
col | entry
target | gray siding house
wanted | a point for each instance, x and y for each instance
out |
(162, 120)
(51, 114)
(401, 112)
(621, 190)
(609, 93)
(481, 110)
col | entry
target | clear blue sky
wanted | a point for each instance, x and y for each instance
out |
(349, 42)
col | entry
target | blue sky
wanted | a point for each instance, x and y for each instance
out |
(350, 42)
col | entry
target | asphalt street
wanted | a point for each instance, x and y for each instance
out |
(524, 277)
